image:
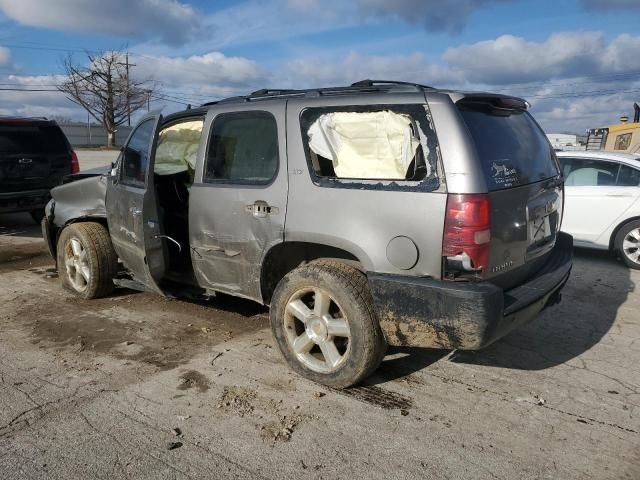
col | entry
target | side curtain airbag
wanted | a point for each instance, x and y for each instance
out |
(372, 145)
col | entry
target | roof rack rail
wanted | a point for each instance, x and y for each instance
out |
(17, 117)
(357, 87)
(276, 92)
(372, 83)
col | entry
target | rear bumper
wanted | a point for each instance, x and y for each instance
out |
(23, 201)
(424, 312)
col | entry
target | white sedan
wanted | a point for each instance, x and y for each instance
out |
(602, 201)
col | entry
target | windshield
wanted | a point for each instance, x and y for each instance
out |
(22, 139)
(512, 148)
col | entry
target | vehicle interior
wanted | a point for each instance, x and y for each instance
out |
(174, 168)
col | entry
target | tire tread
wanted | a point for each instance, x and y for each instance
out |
(102, 254)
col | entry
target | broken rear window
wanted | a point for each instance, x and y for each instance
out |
(392, 143)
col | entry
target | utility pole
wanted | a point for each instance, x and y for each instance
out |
(127, 65)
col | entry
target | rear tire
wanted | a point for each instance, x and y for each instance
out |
(323, 320)
(87, 262)
(627, 244)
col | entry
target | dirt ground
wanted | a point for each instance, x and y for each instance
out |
(138, 386)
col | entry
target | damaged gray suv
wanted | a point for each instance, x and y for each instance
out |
(379, 213)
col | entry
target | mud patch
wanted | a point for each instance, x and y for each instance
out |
(282, 430)
(274, 424)
(131, 326)
(49, 272)
(193, 379)
(22, 258)
(238, 400)
(378, 397)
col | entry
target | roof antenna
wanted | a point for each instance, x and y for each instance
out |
(188, 106)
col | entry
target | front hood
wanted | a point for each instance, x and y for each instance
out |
(92, 172)
(77, 199)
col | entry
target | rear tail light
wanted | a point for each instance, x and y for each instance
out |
(467, 231)
(75, 164)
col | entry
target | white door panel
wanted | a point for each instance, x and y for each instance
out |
(590, 212)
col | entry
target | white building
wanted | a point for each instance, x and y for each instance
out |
(565, 141)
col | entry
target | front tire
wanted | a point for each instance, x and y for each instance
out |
(627, 244)
(87, 262)
(323, 320)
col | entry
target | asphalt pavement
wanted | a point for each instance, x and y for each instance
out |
(139, 386)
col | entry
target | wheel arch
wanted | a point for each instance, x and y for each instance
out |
(614, 233)
(286, 256)
(55, 231)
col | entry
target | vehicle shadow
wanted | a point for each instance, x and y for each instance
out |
(19, 225)
(598, 286)
(401, 362)
(228, 303)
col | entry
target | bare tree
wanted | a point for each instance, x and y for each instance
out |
(106, 89)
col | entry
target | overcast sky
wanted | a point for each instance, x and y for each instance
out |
(576, 61)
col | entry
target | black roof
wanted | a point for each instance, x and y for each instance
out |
(15, 119)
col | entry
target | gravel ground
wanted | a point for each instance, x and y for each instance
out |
(138, 386)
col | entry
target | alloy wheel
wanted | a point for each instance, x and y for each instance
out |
(77, 264)
(631, 245)
(317, 330)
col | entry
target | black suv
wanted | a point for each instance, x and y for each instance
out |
(34, 157)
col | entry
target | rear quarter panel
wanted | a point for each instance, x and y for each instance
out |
(362, 219)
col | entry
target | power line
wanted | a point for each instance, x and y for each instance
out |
(593, 93)
(29, 89)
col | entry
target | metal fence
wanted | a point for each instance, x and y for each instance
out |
(86, 135)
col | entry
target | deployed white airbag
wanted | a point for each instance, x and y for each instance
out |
(177, 148)
(373, 145)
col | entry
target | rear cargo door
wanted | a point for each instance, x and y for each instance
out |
(524, 183)
(132, 212)
(31, 155)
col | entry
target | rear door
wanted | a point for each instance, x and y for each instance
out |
(33, 156)
(524, 183)
(238, 203)
(132, 212)
(598, 192)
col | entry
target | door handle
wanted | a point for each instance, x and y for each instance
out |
(136, 212)
(261, 209)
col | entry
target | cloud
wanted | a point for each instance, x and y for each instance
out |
(509, 59)
(213, 68)
(314, 72)
(611, 4)
(169, 21)
(259, 21)
(434, 15)
(33, 103)
(577, 114)
(574, 80)
(200, 78)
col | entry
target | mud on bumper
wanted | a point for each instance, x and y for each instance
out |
(424, 312)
